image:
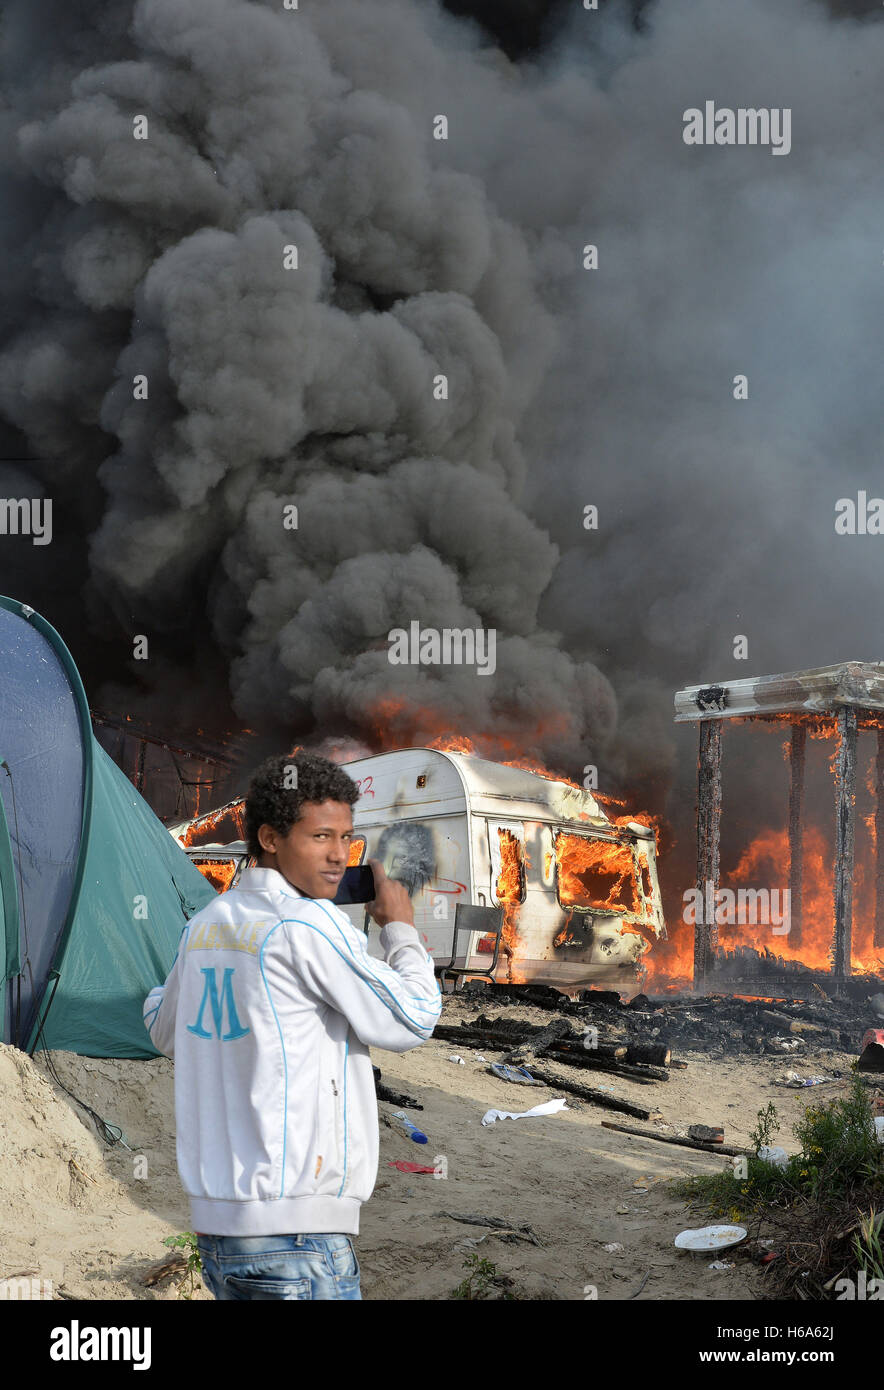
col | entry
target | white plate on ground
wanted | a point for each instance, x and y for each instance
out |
(710, 1238)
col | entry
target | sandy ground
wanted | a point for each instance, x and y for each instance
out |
(91, 1220)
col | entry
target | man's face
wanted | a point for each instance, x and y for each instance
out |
(313, 855)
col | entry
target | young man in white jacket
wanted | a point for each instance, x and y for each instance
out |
(269, 1011)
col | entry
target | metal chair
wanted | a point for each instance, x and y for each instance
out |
(469, 918)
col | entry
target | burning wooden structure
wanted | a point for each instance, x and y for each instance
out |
(177, 774)
(834, 701)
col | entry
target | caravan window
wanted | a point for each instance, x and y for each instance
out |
(219, 872)
(509, 885)
(595, 875)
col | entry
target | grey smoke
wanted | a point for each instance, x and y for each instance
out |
(463, 257)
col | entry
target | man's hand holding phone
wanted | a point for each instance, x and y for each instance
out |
(391, 901)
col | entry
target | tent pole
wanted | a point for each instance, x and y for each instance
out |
(45, 1016)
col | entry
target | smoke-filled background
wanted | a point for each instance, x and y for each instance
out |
(419, 257)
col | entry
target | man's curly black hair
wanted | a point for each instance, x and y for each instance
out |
(271, 802)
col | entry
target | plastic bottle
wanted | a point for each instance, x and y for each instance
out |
(405, 1126)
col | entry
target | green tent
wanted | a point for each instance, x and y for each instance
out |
(94, 892)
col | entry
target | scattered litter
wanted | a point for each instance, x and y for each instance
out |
(399, 1120)
(460, 1061)
(772, 1153)
(470, 1242)
(613, 1248)
(405, 1167)
(793, 1080)
(879, 1128)
(549, 1107)
(785, 1045)
(517, 1075)
(721, 1264)
(621, 1211)
(642, 1184)
(710, 1237)
(480, 1058)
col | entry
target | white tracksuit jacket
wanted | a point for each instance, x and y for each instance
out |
(269, 1011)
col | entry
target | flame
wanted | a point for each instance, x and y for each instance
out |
(454, 743)
(651, 822)
(397, 723)
(354, 856)
(510, 885)
(596, 874)
(509, 891)
(219, 872)
(204, 830)
(766, 861)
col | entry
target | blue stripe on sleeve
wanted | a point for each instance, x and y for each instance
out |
(365, 959)
(406, 1018)
(285, 1070)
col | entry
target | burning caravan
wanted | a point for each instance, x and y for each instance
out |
(484, 846)
(577, 896)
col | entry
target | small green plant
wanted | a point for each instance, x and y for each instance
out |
(867, 1244)
(193, 1266)
(483, 1276)
(839, 1148)
(839, 1154)
(768, 1125)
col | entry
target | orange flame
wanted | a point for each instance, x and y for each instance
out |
(219, 872)
(397, 723)
(510, 890)
(596, 874)
(205, 829)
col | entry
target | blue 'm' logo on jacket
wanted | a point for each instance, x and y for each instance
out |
(210, 996)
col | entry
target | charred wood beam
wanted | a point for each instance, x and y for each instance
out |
(399, 1098)
(610, 1058)
(558, 1036)
(675, 1139)
(625, 1107)
(708, 840)
(590, 1061)
(796, 843)
(878, 938)
(657, 1055)
(845, 817)
(644, 1075)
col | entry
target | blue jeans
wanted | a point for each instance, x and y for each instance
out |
(262, 1267)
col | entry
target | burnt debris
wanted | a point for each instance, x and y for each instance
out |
(645, 1027)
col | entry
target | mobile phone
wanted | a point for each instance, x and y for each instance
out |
(357, 886)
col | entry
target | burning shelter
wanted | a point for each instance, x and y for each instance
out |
(837, 703)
